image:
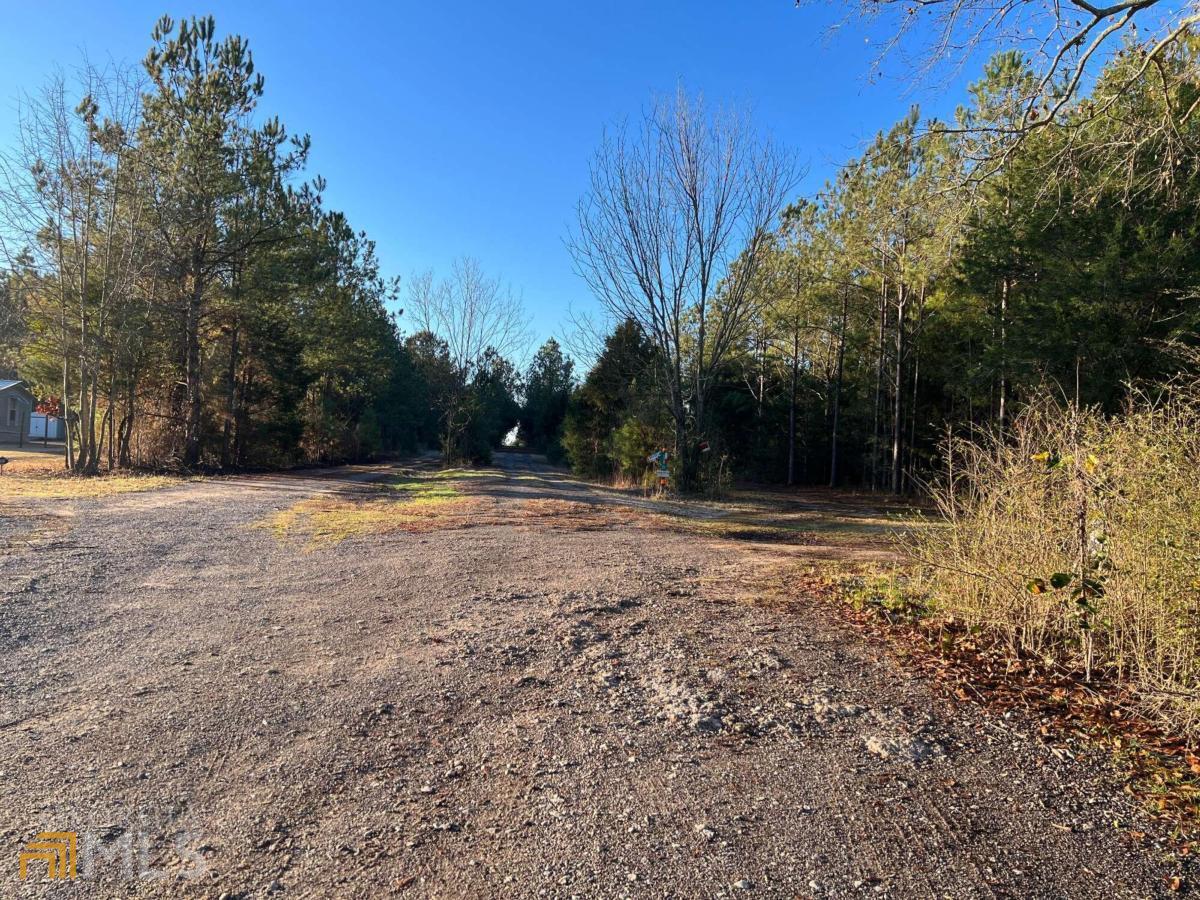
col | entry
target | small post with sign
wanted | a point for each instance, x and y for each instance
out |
(663, 471)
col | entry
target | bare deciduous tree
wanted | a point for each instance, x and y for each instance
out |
(478, 318)
(471, 311)
(670, 234)
(71, 213)
(1063, 40)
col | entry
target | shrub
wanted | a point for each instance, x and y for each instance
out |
(1075, 538)
(632, 443)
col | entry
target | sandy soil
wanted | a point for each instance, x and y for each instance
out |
(528, 703)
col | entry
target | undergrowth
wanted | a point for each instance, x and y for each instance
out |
(1074, 538)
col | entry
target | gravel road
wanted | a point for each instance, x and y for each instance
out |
(514, 709)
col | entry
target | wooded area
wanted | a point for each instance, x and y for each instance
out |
(190, 301)
(997, 312)
(187, 301)
(916, 293)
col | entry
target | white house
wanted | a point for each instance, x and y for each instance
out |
(16, 406)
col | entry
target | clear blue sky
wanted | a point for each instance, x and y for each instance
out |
(448, 129)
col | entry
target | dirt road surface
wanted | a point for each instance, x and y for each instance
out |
(534, 702)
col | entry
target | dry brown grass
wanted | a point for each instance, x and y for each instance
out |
(736, 529)
(322, 521)
(27, 462)
(59, 485)
(570, 515)
(1075, 540)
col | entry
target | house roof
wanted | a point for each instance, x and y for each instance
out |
(9, 383)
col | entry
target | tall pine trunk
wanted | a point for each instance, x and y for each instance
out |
(875, 428)
(791, 466)
(915, 341)
(837, 393)
(192, 359)
(230, 400)
(1002, 416)
(898, 397)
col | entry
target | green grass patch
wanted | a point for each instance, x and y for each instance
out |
(423, 491)
(322, 521)
(461, 474)
(427, 487)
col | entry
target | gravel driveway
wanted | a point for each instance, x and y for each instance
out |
(515, 709)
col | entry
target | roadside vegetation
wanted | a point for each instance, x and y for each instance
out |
(993, 313)
(174, 286)
(1073, 540)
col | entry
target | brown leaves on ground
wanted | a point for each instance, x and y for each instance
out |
(1160, 769)
(569, 515)
(30, 461)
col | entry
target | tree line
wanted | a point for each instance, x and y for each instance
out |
(188, 300)
(944, 278)
(169, 277)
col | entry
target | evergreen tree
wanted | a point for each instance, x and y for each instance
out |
(548, 384)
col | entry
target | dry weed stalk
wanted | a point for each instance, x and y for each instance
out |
(1075, 539)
